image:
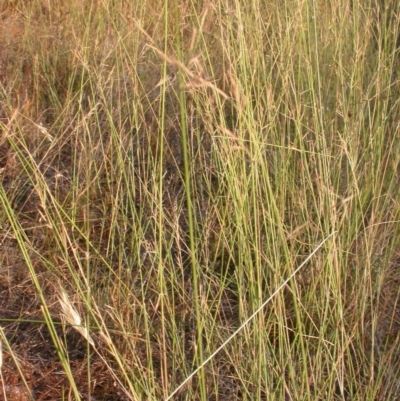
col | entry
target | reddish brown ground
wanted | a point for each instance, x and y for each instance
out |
(28, 351)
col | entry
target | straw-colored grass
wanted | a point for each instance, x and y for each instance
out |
(199, 200)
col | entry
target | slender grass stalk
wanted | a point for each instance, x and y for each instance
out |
(187, 167)
(22, 240)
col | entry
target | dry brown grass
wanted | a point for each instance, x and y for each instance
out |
(82, 94)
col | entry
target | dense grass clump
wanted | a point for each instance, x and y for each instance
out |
(199, 201)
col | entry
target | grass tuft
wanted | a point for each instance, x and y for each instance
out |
(199, 201)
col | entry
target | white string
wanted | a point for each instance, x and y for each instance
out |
(247, 320)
